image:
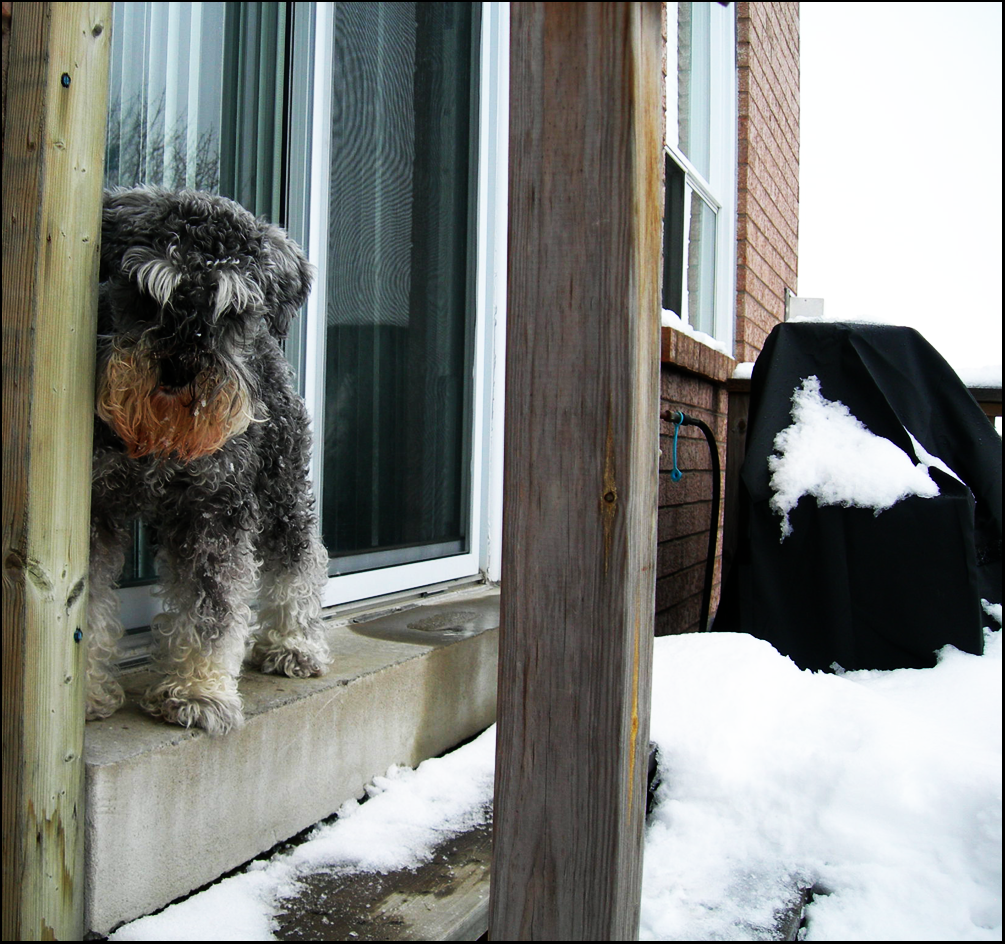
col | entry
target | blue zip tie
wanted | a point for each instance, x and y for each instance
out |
(675, 474)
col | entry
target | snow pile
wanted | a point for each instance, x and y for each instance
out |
(671, 319)
(831, 455)
(882, 789)
(988, 375)
(409, 813)
(239, 908)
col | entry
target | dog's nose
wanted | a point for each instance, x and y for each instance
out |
(176, 374)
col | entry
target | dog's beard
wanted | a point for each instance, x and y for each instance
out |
(185, 424)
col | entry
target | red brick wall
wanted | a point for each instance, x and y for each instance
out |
(692, 379)
(767, 50)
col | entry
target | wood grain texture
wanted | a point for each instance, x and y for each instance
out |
(581, 447)
(57, 93)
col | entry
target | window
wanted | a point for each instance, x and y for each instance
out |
(376, 133)
(405, 323)
(197, 93)
(398, 318)
(699, 221)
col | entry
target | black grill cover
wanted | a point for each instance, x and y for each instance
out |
(847, 586)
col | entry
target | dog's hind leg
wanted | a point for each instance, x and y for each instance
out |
(104, 627)
(207, 579)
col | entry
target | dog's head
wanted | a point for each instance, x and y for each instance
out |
(190, 284)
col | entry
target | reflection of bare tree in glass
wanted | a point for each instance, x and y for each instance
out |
(142, 150)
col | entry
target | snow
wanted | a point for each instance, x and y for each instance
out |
(408, 813)
(881, 789)
(990, 375)
(933, 462)
(671, 319)
(831, 455)
(971, 373)
(986, 375)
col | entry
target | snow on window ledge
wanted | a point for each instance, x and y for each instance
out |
(670, 319)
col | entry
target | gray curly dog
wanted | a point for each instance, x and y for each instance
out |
(199, 432)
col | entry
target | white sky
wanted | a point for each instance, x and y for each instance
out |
(901, 168)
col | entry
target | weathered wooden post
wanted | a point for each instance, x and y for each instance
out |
(581, 444)
(53, 154)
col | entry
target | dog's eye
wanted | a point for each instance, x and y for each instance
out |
(144, 307)
(129, 305)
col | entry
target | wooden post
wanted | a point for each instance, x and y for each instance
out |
(581, 441)
(53, 155)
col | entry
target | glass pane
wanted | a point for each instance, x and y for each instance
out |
(701, 266)
(694, 82)
(398, 318)
(673, 238)
(196, 101)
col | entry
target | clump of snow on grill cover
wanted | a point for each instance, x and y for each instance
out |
(831, 455)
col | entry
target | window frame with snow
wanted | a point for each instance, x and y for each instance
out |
(699, 268)
(276, 142)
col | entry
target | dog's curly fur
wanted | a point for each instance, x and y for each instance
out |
(199, 432)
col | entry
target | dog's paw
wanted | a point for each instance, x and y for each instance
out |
(293, 662)
(211, 705)
(104, 698)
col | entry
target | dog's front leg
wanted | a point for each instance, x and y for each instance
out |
(206, 579)
(104, 627)
(291, 638)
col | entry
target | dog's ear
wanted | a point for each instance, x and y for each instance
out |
(287, 280)
(125, 224)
